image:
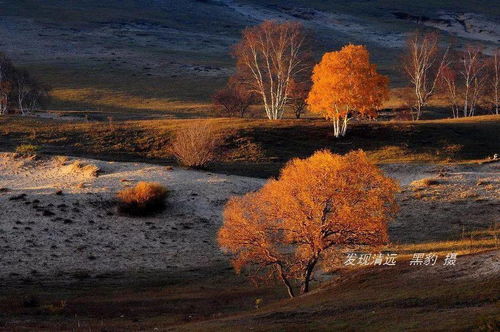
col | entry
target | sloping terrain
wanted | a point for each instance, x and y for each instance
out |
(403, 298)
(69, 261)
(155, 56)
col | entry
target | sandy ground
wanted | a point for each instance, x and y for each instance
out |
(46, 234)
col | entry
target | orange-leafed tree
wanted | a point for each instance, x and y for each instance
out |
(317, 206)
(344, 83)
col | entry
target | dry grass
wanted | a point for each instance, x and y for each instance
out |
(27, 149)
(196, 145)
(424, 183)
(87, 170)
(261, 147)
(60, 160)
(144, 199)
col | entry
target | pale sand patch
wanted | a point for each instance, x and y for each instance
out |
(82, 231)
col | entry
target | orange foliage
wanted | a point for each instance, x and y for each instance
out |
(143, 199)
(322, 203)
(345, 82)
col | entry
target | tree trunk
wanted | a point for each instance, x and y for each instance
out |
(336, 127)
(308, 274)
(344, 125)
(287, 284)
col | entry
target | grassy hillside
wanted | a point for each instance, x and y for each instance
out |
(261, 147)
(372, 299)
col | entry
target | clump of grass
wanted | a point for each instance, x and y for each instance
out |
(27, 149)
(196, 145)
(54, 308)
(61, 160)
(87, 170)
(146, 198)
(423, 183)
(482, 182)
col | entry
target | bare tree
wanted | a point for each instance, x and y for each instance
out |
(423, 63)
(233, 99)
(496, 79)
(37, 97)
(448, 83)
(22, 82)
(6, 70)
(473, 72)
(298, 96)
(269, 56)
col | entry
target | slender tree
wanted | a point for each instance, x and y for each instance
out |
(449, 85)
(6, 74)
(473, 72)
(316, 206)
(344, 83)
(269, 57)
(495, 82)
(423, 63)
(23, 88)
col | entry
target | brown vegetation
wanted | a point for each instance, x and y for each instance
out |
(27, 149)
(427, 182)
(317, 206)
(196, 145)
(233, 100)
(144, 199)
(87, 170)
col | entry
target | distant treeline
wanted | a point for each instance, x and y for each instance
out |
(19, 91)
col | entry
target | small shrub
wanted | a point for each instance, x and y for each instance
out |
(482, 182)
(61, 160)
(196, 145)
(54, 309)
(31, 301)
(144, 199)
(427, 182)
(87, 170)
(27, 149)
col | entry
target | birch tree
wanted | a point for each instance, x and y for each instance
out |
(473, 72)
(450, 86)
(423, 63)
(496, 80)
(23, 88)
(346, 83)
(269, 57)
(6, 70)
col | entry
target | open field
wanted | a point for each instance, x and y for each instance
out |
(260, 147)
(101, 229)
(167, 271)
(168, 57)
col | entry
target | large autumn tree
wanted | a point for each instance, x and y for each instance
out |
(317, 205)
(269, 56)
(344, 83)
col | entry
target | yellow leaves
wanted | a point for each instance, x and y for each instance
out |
(316, 203)
(345, 81)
